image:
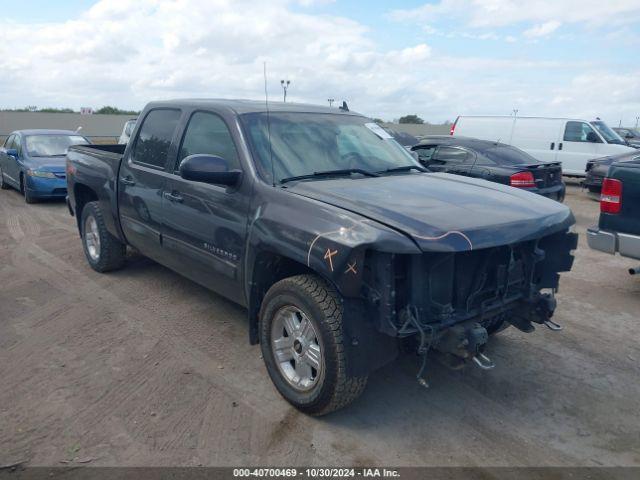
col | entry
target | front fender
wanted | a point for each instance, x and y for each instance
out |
(325, 239)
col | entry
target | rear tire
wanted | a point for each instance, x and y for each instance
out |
(284, 315)
(3, 185)
(594, 189)
(104, 252)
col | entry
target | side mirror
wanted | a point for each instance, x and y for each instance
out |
(209, 169)
(12, 152)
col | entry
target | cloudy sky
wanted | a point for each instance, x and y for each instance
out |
(437, 59)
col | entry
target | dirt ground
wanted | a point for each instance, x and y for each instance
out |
(143, 367)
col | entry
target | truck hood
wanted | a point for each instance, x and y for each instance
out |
(443, 212)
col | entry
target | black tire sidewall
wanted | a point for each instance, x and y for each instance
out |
(3, 184)
(282, 295)
(90, 210)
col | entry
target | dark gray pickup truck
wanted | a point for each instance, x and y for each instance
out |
(339, 244)
(618, 229)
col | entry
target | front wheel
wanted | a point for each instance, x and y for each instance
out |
(303, 345)
(28, 197)
(104, 252)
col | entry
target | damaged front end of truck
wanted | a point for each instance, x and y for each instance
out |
(450, 302)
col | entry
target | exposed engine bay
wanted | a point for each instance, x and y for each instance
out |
(451, 302)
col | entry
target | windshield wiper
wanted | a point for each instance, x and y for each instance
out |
(406, 168)
(329, 173)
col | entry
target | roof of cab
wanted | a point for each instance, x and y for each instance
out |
(248, 106)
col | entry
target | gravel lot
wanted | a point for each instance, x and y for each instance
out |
(143, 367)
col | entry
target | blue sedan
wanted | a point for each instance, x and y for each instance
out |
(33, 162)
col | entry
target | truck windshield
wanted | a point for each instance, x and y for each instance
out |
(52, 145)
(609, 135)
(306, 143)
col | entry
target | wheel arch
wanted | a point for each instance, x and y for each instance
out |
(268, 268)
(83, 195)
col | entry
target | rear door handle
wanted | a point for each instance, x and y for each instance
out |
(128, 181)
(553, 144)
(173, 197)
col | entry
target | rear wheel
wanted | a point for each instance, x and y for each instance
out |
(594, 189)
(104, 252)
(302, 345)
(3, 185)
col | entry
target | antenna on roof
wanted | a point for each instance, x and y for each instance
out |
(78, 129)
(266, 101)
(344, 107)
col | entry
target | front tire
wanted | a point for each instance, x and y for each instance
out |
(28, 197)
(303, 345)
(104, 252)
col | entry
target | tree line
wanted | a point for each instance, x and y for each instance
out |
(106, 110)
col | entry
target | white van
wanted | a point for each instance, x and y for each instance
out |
(570, 141)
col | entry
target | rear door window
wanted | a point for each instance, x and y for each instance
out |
(580, 132)
(154, 139)
(425, 152)
(452, 155)
(208, 134)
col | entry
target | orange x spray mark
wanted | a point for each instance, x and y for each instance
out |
(351, 267)
(329, 257)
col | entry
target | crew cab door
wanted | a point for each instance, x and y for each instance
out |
(142, 179)
(580, 143)
(205, 225)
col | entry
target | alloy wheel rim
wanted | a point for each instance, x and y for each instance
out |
(296, 348)
(92, 237)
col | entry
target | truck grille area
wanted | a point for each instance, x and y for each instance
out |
(443, 289)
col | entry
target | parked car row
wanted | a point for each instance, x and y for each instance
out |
(572, 142)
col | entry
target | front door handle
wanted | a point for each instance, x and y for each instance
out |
(173, 197)
(128, 181)
(560, 146)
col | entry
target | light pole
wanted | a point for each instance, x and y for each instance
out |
(637, 118)
(285, 86)
(331, 100)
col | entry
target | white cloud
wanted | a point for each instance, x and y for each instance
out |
(542, 30)
(128, 52)
(498, 13)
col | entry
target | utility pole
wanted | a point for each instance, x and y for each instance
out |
(285, 86)
(637, 118)
(331, 100)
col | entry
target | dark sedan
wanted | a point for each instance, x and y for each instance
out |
(630, 135)
(33, 162)
(597, 169)
(493, 161)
